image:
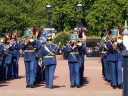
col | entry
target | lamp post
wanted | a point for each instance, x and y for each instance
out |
(48, 7)
(125, 66)
(79, 10)
(49, 28)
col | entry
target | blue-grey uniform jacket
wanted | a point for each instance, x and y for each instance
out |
(48, 55)
(104, 51)
(15, 48)
(115, 56)
(74, 54)
(29, 53)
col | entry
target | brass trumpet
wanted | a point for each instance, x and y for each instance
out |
(79, 42)
(119, 39)
(32, 38)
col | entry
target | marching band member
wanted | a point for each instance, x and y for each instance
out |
(74, 60)
(29, 59)
(18, 56)
(2, 60)
(38, 74)
(104, 52)
(8, 59)
(82, 53)
(48, 59)
(115, 46)
(82, 38)
(17, 52)
(15, 46)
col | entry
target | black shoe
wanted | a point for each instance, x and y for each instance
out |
(8, 79)
(120, 86)
(50, 87)
(32, 86)
(35, 83)
(108, 80)
(72, 86)
(114, 87)
(27, 86)
(78, 86)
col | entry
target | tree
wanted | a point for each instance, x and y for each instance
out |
(105, 14)
(97, 15)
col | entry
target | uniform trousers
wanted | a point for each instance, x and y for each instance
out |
(49, 75)
(116, 73)
(30, 75)
(82, 71)
(17, 61)
(36, 69)
(2, 70)
(105, 68)
(109, 71)
(14, 67)
(38, 74)
(9, 71)
(74, 73)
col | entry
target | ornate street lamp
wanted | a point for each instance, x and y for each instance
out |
(49, 28)
(79, 7)
(48, 7)
(79, 10)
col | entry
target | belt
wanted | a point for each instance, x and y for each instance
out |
(28, 50)
(74, 53)
(48, 56)
(115, 51)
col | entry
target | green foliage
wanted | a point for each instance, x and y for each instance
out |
(97, 15)
(106, 14)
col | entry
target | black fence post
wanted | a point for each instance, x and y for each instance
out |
(125, 73)
(125, 63)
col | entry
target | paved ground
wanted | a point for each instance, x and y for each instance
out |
(94, 85)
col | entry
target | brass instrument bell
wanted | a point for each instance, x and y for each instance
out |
(107, 38)
(32, 38)
(119, 39)
(79, 42)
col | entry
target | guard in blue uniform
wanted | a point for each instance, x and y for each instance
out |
(104, 51)
(102, 48)
(115, 47)
(48, 59)
(74, 60)
(38, 70)
(8, 50)
(15, 46)
(17, 56)
(28, 47)
(2, 60)
(82, 53)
